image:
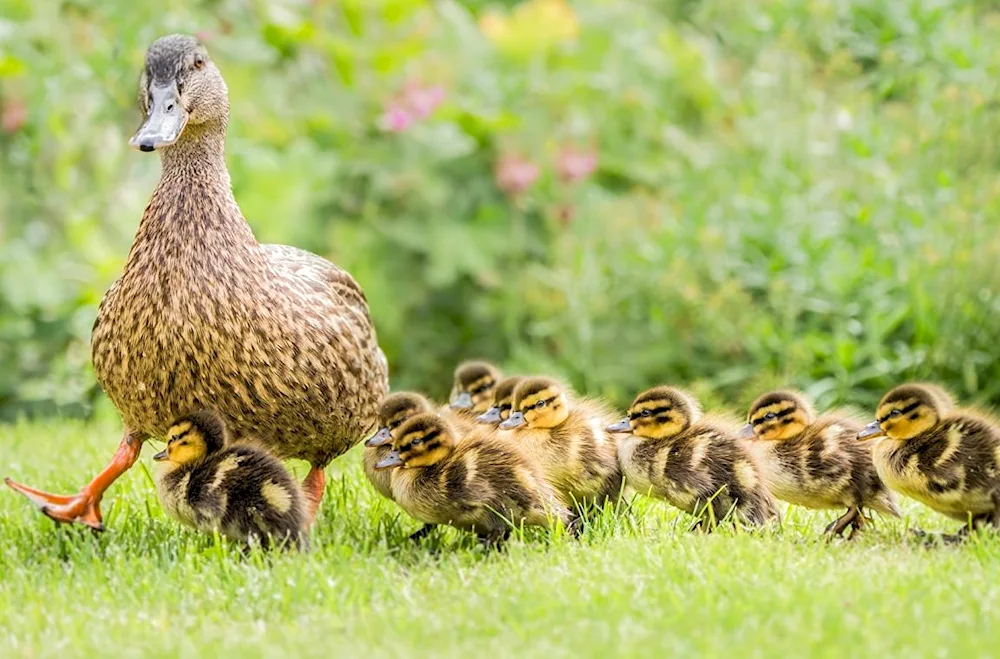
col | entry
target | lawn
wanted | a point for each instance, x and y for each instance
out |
(636, 584)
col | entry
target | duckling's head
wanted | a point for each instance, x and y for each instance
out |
(778, 415)
(422, 441)
(538, 403)
(474, 384)
(503, 400)
(395, 409)
(659, 413)
(179, 88)
(908, 411)
(192, 437)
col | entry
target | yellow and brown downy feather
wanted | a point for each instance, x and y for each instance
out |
(694, 463)
(945, 458)
(479, 484)
(816, 462)
(472, 390)
(238, 490)
(566, 436)
(278, 340)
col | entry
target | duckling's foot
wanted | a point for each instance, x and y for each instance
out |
(839, 525)
(313, 487)
(494, 540)
(422, 532)
(85, 507)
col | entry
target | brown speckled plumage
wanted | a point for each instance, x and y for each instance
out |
(278, 340)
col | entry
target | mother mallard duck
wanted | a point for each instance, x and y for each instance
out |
(277, 340)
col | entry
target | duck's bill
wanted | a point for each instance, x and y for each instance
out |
(165, 121)
(491, 415)
(621, 426)
(380, 438)
(871, 431)
(516, 420)
(391, 462)
(462, 402)
(746, 432)
(161, 456)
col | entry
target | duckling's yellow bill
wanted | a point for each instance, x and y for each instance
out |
(621, 426)
(516, 420)
(380, 438)
(746, 432)
(871, 431)
(463, 401)
(491, 415)
(161, 456)
(165, 120)
(390, 462)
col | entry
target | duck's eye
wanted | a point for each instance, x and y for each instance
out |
(199, 61)
(646, 413)
(770, 416)
(895, 413)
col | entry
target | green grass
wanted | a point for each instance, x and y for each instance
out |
(635, 585)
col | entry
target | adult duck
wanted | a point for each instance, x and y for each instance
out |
(277, 340)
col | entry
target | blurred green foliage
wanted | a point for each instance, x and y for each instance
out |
(794, 192)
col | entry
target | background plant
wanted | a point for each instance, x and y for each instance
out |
(622, 191)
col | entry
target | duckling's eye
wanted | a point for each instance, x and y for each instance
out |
(417, 442)
(540, 404)
(770, 416)
(895, 413)
(647, 413)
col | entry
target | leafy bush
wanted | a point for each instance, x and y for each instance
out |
(621, 191)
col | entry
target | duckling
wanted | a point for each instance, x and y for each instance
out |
(567, 437)
(472, 390)
(696, 464)
(503, 401)
(481, 484)
(239, 490)
(815, 462)
(945, 458)
(392, 413)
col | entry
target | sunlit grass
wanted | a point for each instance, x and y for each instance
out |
(636, 584)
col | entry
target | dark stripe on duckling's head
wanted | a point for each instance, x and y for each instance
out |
(504, 392)
(207, 423)
(910, 410)
(400, 406)
(542, 400)
(424, 440)
(662, 412)
(780, 415)
(476, 376)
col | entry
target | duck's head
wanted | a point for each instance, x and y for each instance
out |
(422, 441)
(503, 401)
(778, 415)
(473, 387)
(538, 403)
(192, 437)
(659, 413)
(908, 411)
(394, 411)
(180, 88)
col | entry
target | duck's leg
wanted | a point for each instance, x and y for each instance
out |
(85, 507)
(837, 526)
(313, 487)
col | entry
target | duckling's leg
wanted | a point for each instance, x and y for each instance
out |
(422, 532)
(313, 487)
(837, 526)
(85, 507)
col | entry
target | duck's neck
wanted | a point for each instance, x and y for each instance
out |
(193, 201)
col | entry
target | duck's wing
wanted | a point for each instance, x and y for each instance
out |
(315, 276)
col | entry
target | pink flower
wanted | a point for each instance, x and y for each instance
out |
(395, 119)
(422, 101)
(574, 165)
(514, 175)
(13, 115)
